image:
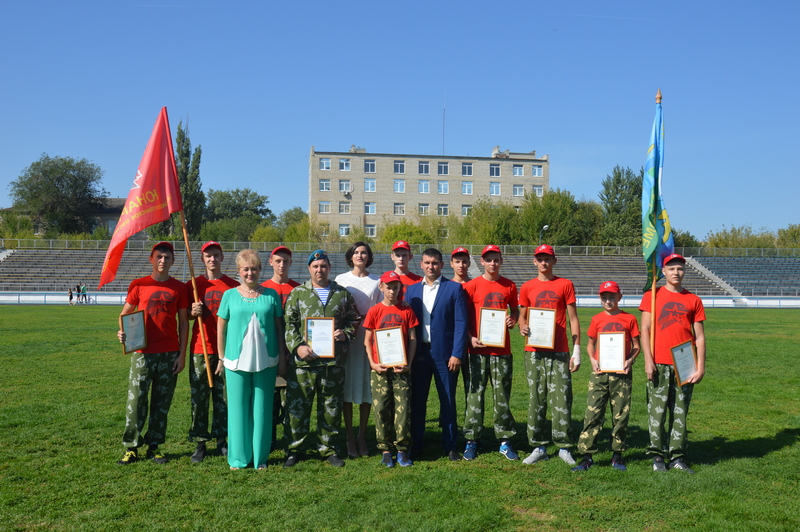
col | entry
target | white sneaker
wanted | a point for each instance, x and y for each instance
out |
(538, 455)
(565, 455)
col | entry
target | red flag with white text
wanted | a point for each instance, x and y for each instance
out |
(154, 196)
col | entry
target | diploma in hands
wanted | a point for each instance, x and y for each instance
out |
(542, 325)
(135, 333)
(319, 336)
(391, 346)
(493, 327)
(611, 352)
(684, 361)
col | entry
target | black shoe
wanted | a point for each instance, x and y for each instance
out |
(222, 446)
(454, 455)
(131, 456)
(585, 463)
(291, 460)
(658, 464)
(199, 453)
(680, 465)
(155, 455)
(617, 462)
(335, 461)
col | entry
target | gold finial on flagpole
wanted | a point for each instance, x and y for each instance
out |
(658, 96)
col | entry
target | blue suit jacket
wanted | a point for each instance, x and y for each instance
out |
(449, 319)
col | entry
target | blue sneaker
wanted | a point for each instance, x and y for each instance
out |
(387, 460)
(471, 452)
(585, 464)
(617, 462)
(404, 460)
(508, 451)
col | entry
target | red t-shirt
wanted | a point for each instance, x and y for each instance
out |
(500, 294)
(160, 302)
(675, 314)
(554, 294)
(210, 293)
(282, 289)
(622, 322)
(407, 279)
(382, 316)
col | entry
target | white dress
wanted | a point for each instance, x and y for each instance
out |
(366, 292)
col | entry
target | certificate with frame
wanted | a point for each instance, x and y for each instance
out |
(492, 331)
(319, 336)
(542, 325)
(391, 346)
(135, 332)
(684, 360)
(611, 352)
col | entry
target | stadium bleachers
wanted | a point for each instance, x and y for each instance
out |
(757, 276)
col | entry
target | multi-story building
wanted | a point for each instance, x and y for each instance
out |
(356, 188)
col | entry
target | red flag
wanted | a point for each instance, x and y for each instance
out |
(155, 195)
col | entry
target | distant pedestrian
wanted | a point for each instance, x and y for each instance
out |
(70, 297)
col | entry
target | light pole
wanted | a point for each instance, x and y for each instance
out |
(542, 230)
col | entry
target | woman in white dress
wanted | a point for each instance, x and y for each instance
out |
(364, 287)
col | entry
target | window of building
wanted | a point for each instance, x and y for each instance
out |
(538, 190)
(369, 166)
(324, 207)
(344, 207)
(399, 209)
(324, 164)
(400, 186)
(344, 229)
(399, 167)
(494, 188)
(424, 209)
(536, 170)
(369, 208)
(518, 171)
(344, 165)
(443, 209)
(369, 184)
(466, 187)
(465, 210)
(519, 190)
(443, 187)
(344, 186)
(370, 231)
(466, 169)
(424, 186)
(424, 168)
(326, 229)
(324, 185)
(494, 170)
(444, 168)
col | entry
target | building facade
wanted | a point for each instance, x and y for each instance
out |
(359, 189)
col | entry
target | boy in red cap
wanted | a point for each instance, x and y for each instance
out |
(678, 319)
(494, 363)
(391, 385)
(162, 298)
(606, 385)
(549, 370)
(401, 256)
(460, 262)
(210, 287)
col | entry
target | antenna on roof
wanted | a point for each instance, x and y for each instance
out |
(444, 114)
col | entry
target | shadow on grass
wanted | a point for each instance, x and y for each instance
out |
(719, 449)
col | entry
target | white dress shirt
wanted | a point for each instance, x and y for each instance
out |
(429, 292)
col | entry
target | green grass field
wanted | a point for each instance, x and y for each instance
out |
(62, 394)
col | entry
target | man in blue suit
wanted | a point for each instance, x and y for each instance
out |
(442, 334)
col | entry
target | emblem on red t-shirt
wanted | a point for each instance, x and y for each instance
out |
(671, 313)
(391, 320)
(211, 301)
(494, 300)
(613, 327)
(159, 302)
(546, 299)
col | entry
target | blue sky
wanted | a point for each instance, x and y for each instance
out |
(259, 83)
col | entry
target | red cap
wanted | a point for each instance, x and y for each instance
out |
(164, 245)
(458, 250)
(401, 244)
(674, 256)
(609, 286)
(210, 244)
(282, 248)
(389, 277)
(545, 249)
(490, 248)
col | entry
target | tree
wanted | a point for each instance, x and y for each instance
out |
(684, 239)
(621, 199)
(789, 237)
(60, 194)
(289, 217)
(741, 237)
(231, 229)
(235, 203)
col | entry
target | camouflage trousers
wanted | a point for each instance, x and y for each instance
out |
(665, 397)
(549, 379)
(149, 370)
(498, 369)
(391, 400)
(198, 383)
(302, 384)
(605, 388)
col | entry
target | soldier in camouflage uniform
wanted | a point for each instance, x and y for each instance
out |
(310, 375)
(607, 387)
